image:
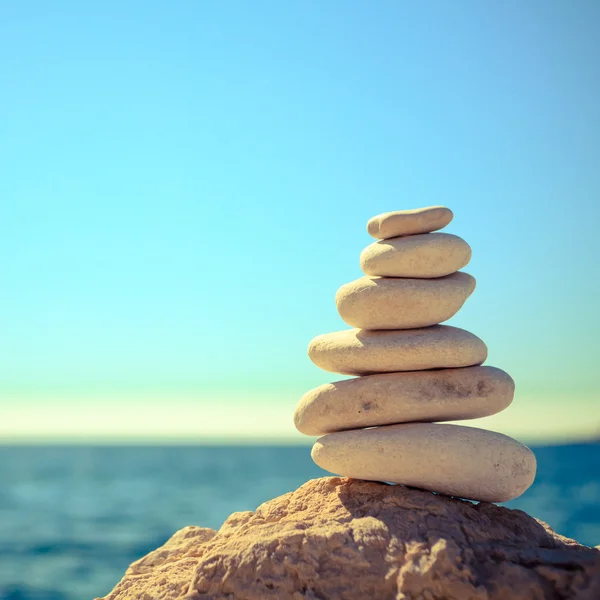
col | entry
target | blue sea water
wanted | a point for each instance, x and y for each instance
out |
(73, 518)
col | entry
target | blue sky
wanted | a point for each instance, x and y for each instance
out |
(185, 185)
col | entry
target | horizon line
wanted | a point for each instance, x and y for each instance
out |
(220, 441)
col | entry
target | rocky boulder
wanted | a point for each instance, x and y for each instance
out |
(347, 539)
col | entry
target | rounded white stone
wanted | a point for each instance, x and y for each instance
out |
(422, 256)
(450, 459)
(399, 303)
(385, 399)
(362, 351)
(409, 222)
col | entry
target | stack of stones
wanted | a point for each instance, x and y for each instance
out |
(412, 373)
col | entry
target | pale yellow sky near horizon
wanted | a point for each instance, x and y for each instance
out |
(168, 419)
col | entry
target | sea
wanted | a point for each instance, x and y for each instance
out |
(73, 518)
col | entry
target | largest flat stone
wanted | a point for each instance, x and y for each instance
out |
(427, 255)
(400, 303)
(363, 352)
(451, 459)
(386, 399)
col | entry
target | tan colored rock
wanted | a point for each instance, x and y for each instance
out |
(409, 222)
(449, 459)
(438, 395)
(421, 256)
(363, 352)
(398, 303)
(167, 571)
(336, 539)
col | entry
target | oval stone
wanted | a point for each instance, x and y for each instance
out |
(409, 222)
(426, 255)
(400, 303)
(451, 459)
(390, 398)
(363, 352)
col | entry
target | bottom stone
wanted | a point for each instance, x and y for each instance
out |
(451, 459)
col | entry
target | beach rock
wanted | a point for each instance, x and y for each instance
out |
(420, 256)
(385, 399)
(336, 539)
(409, 222)
(364, 352)
(395, 303)
(450, 459)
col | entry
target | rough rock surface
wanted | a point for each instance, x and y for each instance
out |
(347, 539)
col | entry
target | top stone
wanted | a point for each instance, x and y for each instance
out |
(408, 222)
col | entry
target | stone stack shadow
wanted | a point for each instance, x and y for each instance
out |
(411, 373)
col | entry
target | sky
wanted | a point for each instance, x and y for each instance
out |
(185, 185)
